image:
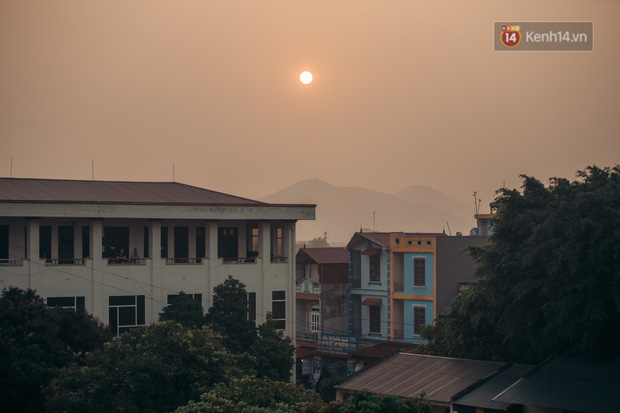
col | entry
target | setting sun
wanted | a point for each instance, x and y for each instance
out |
(305, 77)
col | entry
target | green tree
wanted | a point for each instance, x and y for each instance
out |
(548, 280)
(252, 394)
(273, 352)
(185, 310)
(228, 315)
(35, 342)
(330, 376)
(155, 369)
(366, 402)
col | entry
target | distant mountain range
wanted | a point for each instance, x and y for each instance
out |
(341, 211)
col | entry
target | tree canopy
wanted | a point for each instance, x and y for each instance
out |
(548, 280)
(35, 342)
(155, 368)
(185, 310)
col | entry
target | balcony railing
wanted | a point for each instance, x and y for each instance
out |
(279, 259)
(64, 261)
(126, 261)
(184, 260)
(12, 261)
(239, 260)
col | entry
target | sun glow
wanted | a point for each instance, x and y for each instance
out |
(305, 77)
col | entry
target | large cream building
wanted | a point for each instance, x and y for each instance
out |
(64, 238)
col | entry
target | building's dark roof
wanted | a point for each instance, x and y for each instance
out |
(379, 238)
(113, 192)
(409, 375)
(481, 395)
(577, 384)
(328, 255)
(382, 349)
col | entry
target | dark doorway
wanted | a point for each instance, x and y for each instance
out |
(45, 241)
(181, 242)
(200, 242)
(115, 239)
(4, 242)
(85, 242)
(164, 242)
(227, 243)
(65, 242)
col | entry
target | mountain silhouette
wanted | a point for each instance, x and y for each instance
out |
(341, 211)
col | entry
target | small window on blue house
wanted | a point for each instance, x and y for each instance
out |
(419, 270)
(374, 268)
(375, 319)
(419, 319)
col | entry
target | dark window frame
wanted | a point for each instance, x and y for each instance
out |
(419, 272)
(419, 319)
(374, 268)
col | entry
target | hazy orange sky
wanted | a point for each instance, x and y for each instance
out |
(405, 92)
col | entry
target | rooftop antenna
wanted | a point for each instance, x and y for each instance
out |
(449, 232)
(476, 203)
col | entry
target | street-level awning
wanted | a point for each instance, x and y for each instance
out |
(371, 302)
(310, 297)
(371, 251)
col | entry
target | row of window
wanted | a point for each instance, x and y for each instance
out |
(419, 270)
(128, 311)
(419, 319)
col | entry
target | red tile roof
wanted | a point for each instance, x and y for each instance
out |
(331, 255)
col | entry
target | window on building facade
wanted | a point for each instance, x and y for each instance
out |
(375, 319)
(66, 242)
(279, 242)
(164, 242)
(4, 242)
(419, 319)
(85, 242)
(252, 306)
(315, 319)
(419, 270)
(278, 308)
(66, 302)
(252, 241)
(201, 242)
(45, 241)
(126, 311)
(375, 268)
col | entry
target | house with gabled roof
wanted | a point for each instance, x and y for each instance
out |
(124, 250)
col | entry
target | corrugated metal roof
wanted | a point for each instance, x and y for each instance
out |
(409, 375)
(481, 395)
(327, 255)
(113, 192)
(580, 384)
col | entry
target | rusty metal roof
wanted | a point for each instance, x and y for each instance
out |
(578, 383)
(410, 375)
(327, 255)
(113, 192)
(379, 238)
(482, 395)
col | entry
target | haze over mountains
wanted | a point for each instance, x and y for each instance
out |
(341, 211)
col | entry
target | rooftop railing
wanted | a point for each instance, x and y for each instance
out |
(196, 260)
(239, 260)
(11, 261)
(126, 261)
(279, 259)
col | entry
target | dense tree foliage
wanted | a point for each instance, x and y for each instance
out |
(228, 315)
(548, 279)
(185, 310)
(155, 369)
(35, 342)
(252, 394)
(271, 351)
(332, 374)
(365, 402)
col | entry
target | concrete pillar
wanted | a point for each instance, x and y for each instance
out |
(214, 262)
(35, 265)
(292, 288)
(156, 271)
(265, 242)
(98, 304)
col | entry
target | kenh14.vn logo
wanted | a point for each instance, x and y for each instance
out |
(511, 35)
